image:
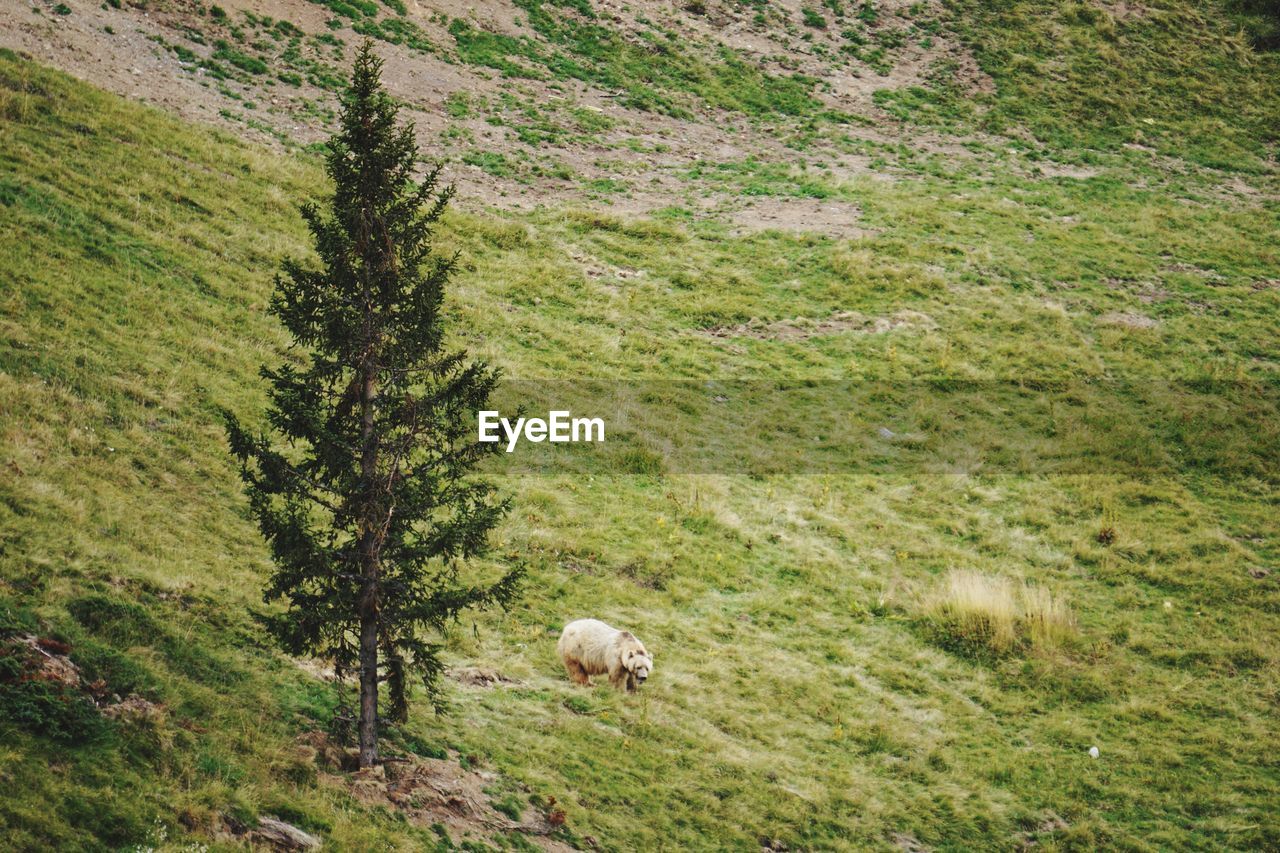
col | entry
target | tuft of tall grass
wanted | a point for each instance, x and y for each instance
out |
(976, 613)
(1046, 620)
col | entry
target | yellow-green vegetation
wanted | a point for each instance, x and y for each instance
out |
(973, 612)
(801, 692)
(1184, 78)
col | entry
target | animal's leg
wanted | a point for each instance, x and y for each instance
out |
(576, 672)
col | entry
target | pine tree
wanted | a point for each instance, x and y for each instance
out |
(363, 484)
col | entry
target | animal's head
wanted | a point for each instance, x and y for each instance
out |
(637, 661)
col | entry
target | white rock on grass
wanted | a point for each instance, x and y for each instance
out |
(285, 836)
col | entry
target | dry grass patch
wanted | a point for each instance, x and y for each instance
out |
(975, 613)
(1046, 620)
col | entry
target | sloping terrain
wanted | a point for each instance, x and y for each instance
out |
(536, 101)
(635, 105)
(1058, 301)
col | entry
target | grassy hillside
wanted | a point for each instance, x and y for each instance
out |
(1183, 78)
(808, 690)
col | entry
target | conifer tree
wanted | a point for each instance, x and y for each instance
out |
(363, 485)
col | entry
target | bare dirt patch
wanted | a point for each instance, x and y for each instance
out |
(431, 791)
(475, 676)
(1123, 10)
(1147, 292)
(593, 267)
(842, 322)
(1128, 320)
(1073, 171)
(634, 162)
(822, 216)
(1191, 269)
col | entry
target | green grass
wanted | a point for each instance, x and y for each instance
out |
(798, 694)
(243, 61)
(492, 163)
(658, 74)
(1180, 77)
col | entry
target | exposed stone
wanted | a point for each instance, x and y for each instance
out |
(474, 676)
(284, 836)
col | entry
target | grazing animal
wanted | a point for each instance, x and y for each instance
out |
(590, 647)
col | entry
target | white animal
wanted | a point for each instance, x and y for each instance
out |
(590, 647)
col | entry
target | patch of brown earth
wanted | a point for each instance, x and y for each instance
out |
(645, 155)
(1147, 292)
(1049, 169)
(594, 268)
(1123, 10)
(46, 660)
(908, 843)
(821, 216)
(1191, 269)
(429, 791)
(475, 676)
(1128, 320)
(841, 322)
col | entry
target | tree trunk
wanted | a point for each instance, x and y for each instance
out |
(369, 565)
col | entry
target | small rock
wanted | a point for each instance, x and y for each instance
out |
(284, 836)
(474, 676)
(134, 709)
(48, 663)
(1093, 752)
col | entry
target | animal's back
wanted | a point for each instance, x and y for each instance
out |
(585, 638)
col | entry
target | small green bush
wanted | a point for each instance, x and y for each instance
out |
(511, 806)
(243, 61)
(813, 18)
(458, 105)
(489, 161)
